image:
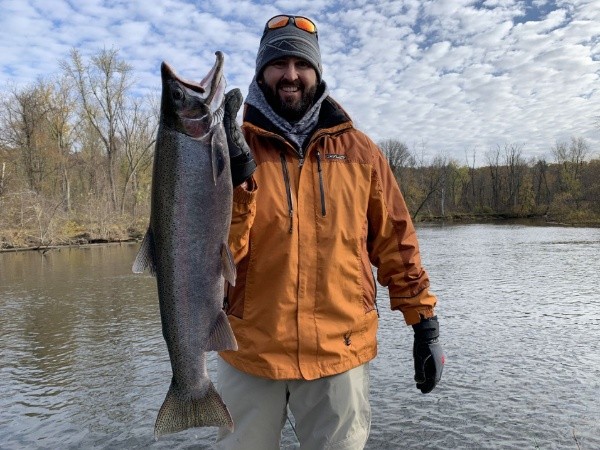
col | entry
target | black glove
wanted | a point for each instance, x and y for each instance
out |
(428, 354)
(242, 163)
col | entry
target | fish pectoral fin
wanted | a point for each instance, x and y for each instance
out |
(227, 264)
(182, 410)
(217, 154)
(213, 158)
(221, 336)
(145, 257)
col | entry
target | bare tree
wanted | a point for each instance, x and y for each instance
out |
(23, 126)
(541, 187)
(571, 158)
(398, 156)
(433, 181)
(515, 167)
(139, 126)
(102, 85)
(2, 177)
(61, 126)
(494, 164)
(473, 189)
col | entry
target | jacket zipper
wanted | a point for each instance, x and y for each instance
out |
(375, 287)
(320, 170)
(288, 190)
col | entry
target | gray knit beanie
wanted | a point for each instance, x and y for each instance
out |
(288, 41)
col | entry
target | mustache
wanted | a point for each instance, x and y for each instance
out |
(286, 83)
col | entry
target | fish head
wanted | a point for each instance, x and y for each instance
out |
(190, 107)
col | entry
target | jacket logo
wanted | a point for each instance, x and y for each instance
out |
(347, 339)
(335, 156)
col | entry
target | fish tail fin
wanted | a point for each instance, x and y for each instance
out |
(145, 257)
(203, 408)
(221, 337)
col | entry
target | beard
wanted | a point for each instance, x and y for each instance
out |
(290, 110)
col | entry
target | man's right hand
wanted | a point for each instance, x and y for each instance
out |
(242, 163)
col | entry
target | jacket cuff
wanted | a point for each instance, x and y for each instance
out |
(245, 195)
(414, 316)
(415, 308)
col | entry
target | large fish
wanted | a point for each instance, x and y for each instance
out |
(186, 244)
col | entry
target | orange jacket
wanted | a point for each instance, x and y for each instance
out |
(304, 239)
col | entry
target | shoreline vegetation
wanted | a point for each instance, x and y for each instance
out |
(17, 241)
(76, 153)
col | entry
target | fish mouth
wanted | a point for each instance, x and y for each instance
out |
(212, 86)
(215, 80)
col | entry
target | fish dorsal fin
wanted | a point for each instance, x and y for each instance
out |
(221, 337)
(227, 264)
(145, 257)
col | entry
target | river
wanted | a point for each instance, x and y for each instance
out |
(83, 363)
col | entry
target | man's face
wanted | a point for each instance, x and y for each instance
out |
(289, 85)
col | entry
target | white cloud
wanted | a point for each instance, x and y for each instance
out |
(453, 75)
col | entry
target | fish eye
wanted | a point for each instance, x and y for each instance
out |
(177, 94)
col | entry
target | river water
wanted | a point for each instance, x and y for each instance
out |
(83, 363)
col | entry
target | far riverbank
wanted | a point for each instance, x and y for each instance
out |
(14, 240)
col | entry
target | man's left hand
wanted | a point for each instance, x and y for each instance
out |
(242, 163)
(428, 354)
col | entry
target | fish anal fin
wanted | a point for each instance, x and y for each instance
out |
(227, 264)
(203, 407)
(145, 256)
(221, 336)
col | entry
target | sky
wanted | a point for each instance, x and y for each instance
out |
(452, 78)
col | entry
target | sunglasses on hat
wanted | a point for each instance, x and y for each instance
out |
(300, 22)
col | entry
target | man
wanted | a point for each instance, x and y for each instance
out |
(320, 208)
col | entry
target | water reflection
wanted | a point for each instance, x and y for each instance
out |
(83, 362)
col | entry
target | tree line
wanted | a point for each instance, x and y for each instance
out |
(563, 190)
(76, 155)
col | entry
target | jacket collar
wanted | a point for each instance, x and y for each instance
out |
(331, 116)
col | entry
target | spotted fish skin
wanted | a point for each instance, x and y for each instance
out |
(185, 246)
